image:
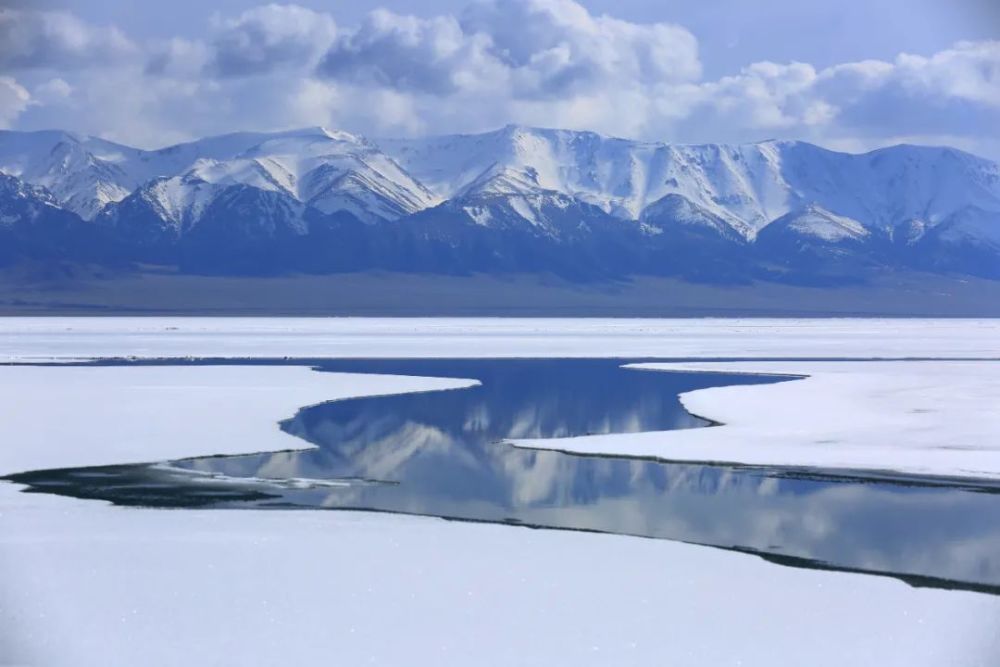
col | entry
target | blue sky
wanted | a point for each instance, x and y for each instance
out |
(851, 75)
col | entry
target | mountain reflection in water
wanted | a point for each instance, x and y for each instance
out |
(444, 454)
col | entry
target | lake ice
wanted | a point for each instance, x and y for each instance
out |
(87, 583)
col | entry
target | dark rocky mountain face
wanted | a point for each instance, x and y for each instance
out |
(34, 228)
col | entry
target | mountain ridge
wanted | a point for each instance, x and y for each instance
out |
(519, 199)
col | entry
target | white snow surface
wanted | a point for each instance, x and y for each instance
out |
(912, 417)
(105, 587)
(72, 416)
(54, 338)
(817, 222)
(84, 583)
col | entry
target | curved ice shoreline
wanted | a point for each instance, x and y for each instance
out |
(911, 417)
(86, 583)
(922, 418)
(74, 416)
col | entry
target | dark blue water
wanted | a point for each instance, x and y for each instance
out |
(445, 454)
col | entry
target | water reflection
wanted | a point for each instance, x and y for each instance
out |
(442, 454)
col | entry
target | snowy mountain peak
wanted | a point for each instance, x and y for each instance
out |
(83, 173)
(748, 186)
(86, 174)
(262, 173)
(781, 196)
(22, 203)
(815, 221)
(500, 180)
(618, 176)
(13, 188)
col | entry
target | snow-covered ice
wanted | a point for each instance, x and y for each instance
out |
(95, 585)
(42, 338)
(919, 417)
(85, 583)
(54, 417)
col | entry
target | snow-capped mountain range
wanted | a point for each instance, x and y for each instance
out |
(517, 199)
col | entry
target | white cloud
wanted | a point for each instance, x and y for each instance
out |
(14, 99)
(545, 62)
(537, 62)
(35, 39)
(267, 38)
(969, 71)
(764, 95)
(412, 54)
(524, 49)
(178, 57)
(557, 46)
(953, 92)
(53, 90)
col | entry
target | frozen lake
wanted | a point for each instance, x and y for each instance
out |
(911, 447)
(446, 454)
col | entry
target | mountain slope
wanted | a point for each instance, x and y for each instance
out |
(83, 173)
(738, 184)
(892, 188)
(33, 226)
(330, 170)
(745, 186)
(517, 199)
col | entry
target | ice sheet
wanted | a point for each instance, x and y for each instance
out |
(62, 337)
(91, 585)
(919, 417)
(83, 583)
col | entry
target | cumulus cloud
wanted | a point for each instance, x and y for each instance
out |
(765, 95)
(969, 71)
(555, 46)
(14, 99)
(177, 57)
(538, 62)
(955, 91)
(36, 39)
(271, 37)
(523, 48)
(412, 54)
(554, 63)
(53, 91)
